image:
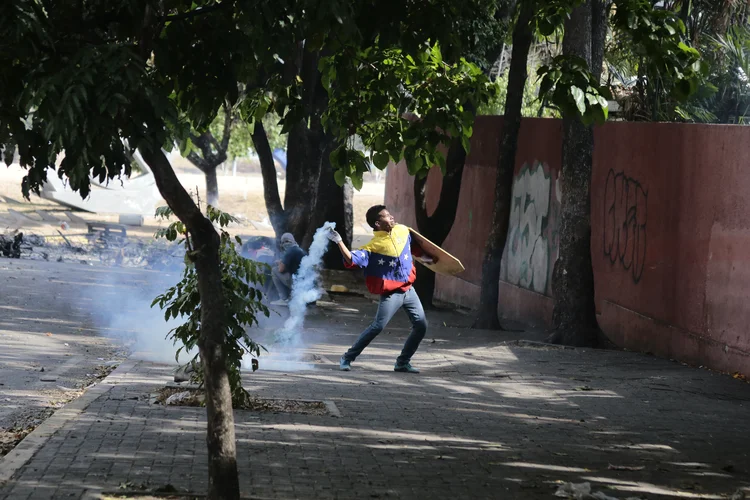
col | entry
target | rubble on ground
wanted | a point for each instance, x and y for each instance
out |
(97, 248)
(10, 245)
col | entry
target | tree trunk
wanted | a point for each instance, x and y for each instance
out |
(334, 204)
(270, 184)
(437, 227)
(212, 188)
(574, 314)
(213, 154)
(306, 145)
(487, 316)
(222, 453)
(304, 156)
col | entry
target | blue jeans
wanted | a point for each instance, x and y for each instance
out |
(387, 307)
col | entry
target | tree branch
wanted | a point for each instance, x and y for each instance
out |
(197, 161)
(212, 158)
(445, 214)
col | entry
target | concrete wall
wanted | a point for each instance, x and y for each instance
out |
(670, 233)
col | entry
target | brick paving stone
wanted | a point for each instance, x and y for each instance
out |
(485, 419)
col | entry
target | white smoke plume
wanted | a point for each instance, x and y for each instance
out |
(286, 352)
(118, 303)
(304, 286)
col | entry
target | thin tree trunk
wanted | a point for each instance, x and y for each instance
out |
(270, 184)
(437, 227)
(487, 316)
(212, 188)
(222, 453)
(574, 314)
(334, 204)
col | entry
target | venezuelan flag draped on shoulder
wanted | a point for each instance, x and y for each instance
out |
(387, 260)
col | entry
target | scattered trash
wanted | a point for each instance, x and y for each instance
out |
(108, 248)
(184, 373)
(571, 490)
(65, 239)
(582, 491)
(180, 398)
(738, 495)
(626, 467)
(129, 485)
(10, 246)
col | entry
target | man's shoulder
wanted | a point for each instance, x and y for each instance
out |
(400, 229)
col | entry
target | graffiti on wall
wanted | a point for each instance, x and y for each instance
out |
(531, 248)
(625, 218)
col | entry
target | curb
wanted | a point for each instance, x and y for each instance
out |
(22, 453)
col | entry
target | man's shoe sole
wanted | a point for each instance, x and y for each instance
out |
(404, 370)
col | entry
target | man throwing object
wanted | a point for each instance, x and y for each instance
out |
(389, 272)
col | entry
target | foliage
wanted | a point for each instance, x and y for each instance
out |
(241, 142)
(532, 105)
(715, 85)
(242, 299)
(94, 100)
(654, 36)
(568, 83)
(729, 65)
(403, 106)
(551, 15)
(658, 38)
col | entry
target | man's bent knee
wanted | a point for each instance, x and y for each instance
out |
(420, 325)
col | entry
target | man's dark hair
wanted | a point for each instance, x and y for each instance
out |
(373, 214)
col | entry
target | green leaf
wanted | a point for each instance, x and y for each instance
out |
(340, 177)
(579, 99)
(380, 160)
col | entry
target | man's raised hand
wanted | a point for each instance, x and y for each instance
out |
(334, 236)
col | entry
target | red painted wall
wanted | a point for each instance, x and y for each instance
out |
(670, 233)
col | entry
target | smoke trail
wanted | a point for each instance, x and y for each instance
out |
(304, 288)
(286, 353)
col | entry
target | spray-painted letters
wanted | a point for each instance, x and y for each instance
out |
(532, 233)
(625, 217)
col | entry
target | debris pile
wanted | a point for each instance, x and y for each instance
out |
(97, 248)
(10, 246)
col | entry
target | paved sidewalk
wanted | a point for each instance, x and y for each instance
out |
(487, 418)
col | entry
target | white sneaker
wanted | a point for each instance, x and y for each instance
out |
(280, 303)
